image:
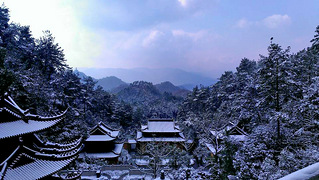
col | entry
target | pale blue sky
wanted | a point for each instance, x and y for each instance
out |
(208, 36)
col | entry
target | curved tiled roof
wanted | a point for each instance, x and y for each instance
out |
(20, 121)
(50, 147)
(33, 158)
(37, 169)
(19, 127)
(105, 129)
(100, 138)
(108, 134)
(116, 152)
(33, 163)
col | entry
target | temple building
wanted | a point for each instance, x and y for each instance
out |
(101, 144)
(23, 155)
(160, 130)
(230, 130)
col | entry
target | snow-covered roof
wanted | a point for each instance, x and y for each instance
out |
(232, 130)
(105, 155)
(118, 148)
(238, 137)
(20, 127)
(67, 145)
(99, 138)
(132, 141)
(138, 135)
(56, 148)
(190, 141)
(217, 134)
(210, 147)
(34, 160)
(309, 172)
(105, 130)
(116, 152)
(37, 169)
(16, 121)
(143, 127)
(113, 133)
(213, 148)
(160, 125)
(161, 139)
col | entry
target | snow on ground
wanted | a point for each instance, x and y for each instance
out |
(115, 174)
(165, 161)
(137, 177)
(142, 161)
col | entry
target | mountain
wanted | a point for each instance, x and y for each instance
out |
(167, 87)
(176, 76)
(170, 88)
(139, 91)
(80, 74)
(149, 100)
(119, 88)
(187, 86)
(109, 83)
(115, 85)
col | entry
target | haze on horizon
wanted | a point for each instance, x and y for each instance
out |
(207, 36)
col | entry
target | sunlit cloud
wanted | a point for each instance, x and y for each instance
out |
(60, 18)
(243, 23)
(152, 37)
(276, 21)
(183, 2)
(272, 22)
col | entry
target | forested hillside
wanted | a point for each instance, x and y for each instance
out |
(148, 100)
(275, 100)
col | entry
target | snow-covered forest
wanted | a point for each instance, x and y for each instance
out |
(275, 100)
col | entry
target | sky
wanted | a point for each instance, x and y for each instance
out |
(205, 36)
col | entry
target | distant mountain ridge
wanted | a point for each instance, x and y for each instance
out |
(171, 88)
(176, 76)
(115, 85)
(109, 83)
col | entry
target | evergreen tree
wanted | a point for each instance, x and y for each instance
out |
(315, 40)
(50, 55)
(275, 80)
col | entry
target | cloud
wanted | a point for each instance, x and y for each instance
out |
(195, 36)
(161, 48)
(183, 2)
(152, 37)
(271, 22)
(137, 14)
(243, 23)
(276, 21)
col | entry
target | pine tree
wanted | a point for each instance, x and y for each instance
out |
(50, 55)
(275, 80)
(315, 41)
